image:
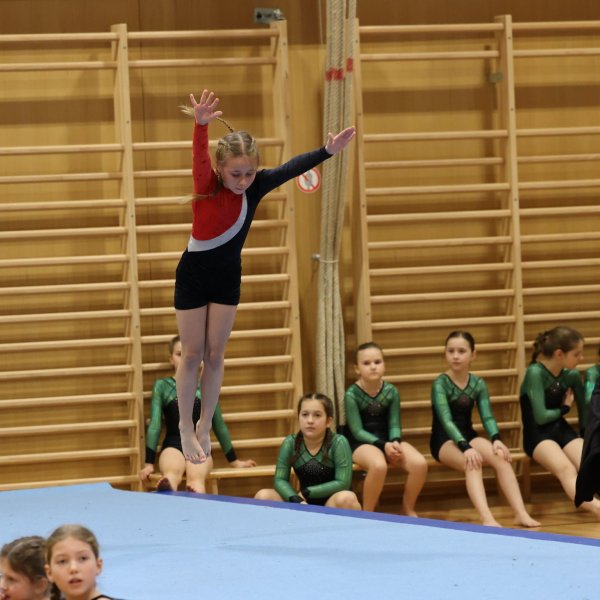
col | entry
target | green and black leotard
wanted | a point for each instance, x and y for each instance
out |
(542, 396)
(591, 377)
(164, 403)
(452, 409)
(321, 475)
(373, 419)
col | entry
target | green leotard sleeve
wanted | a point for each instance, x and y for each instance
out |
(394, 419)
(533, 386)
(591, 376)
(155, 425)
(575, 383)
(222, 433)
(484, 406)
(283, 469)
(439, 400)
(354, 420)
(341, 456)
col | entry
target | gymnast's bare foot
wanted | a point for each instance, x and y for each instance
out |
(192, 450)
(203, 439)
(526, 521)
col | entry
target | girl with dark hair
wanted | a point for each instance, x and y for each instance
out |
(22, 571)
(550, 387)
(457, 445)
(208, 277)
(171, 461)
(321, 460)
(375, 431)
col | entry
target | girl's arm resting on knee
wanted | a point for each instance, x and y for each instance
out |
(283, 470)
(146, 471)
(533, 386)
(484, 406)
(583, 405)
(222, 432)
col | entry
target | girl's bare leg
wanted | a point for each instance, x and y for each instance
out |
(219, 322)
(452, 457)
(196, 475)
(507, 480)
(171, 464)
(191, 325)
(372, 460)
(268, 494)
(562, 463)
(415, 465)
(345, 499)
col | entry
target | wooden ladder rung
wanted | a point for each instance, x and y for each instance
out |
(76, 455)
(64, 428)
(378, 138)
(419, 377)
(436, 269)
(67, 288)
(434, 296)
(459, 215)
(29, 403)
(440, 243)
(40, 261)
(466, 188)
(66, 316)
(66, 372)
(64, 344)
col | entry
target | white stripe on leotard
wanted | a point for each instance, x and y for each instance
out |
(195, 245)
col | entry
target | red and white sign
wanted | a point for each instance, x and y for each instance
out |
(310, 181)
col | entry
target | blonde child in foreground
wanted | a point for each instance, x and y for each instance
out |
(321, 460)
(72, 564)
(375, 431)
(455, 443)
(23, 572)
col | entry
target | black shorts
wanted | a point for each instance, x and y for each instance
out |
(439, 437)
(558, 431)
(197, 285)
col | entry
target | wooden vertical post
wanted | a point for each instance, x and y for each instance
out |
(122, 108)
(281, 108)
(360, 238)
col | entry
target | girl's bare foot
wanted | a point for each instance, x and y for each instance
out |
(203, 440)
(491, 523)
(192, 450)
(526, 521)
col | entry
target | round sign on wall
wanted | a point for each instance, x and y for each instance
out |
(310, 181)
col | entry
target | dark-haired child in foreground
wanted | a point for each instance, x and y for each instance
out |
(22, 570)
(321, 460)
(375, 431)
(456, 444)
(550, 387)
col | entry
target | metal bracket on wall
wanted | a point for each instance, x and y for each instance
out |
(267, 15)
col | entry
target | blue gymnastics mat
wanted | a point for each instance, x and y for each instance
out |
(180, 546)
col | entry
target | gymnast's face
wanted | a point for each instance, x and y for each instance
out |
(313, 419)
(573, 357)
(459, 354)
(238, 173)
(370, 366)
(74, 567)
